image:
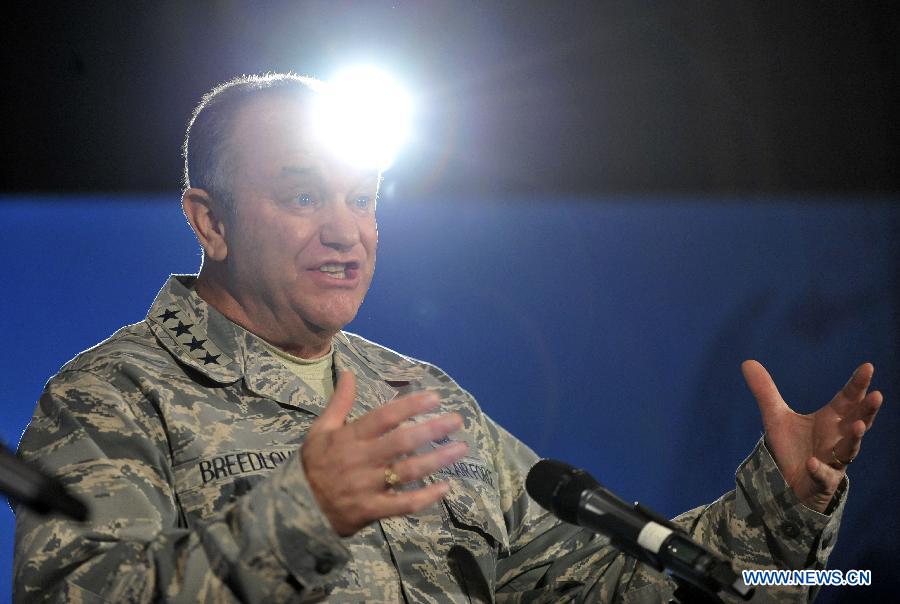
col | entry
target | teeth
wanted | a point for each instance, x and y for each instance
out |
(335, 271)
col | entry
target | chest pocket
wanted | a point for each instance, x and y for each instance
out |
(479, 536)
(473, 502)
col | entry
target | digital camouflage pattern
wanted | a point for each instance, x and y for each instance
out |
(181, 432)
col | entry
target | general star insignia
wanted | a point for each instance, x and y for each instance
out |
(196, 344)
(182, 329)
(168, 314)
(209, 358)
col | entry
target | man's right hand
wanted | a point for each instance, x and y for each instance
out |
(345, 463)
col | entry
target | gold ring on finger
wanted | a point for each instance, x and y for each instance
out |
(841, 461)
(391, 479)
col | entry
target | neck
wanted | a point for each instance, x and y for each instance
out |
(299, 338)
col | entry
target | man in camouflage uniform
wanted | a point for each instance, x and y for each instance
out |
(184, 432)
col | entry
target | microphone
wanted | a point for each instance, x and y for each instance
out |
(574, 496)
(30, 486)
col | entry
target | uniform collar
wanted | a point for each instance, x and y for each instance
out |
(194, 332)
(199, 336)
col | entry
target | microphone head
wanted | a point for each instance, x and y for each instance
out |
(557, 487)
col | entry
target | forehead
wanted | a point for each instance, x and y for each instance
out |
(274, 134)
(273, 126)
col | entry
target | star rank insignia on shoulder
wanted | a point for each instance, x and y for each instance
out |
(167, 315)
(196, 344)
(183, 328)
(190, 338)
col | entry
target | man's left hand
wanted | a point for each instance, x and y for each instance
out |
(813, 451)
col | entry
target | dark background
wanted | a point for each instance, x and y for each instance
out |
(605, 209)
(516, 97)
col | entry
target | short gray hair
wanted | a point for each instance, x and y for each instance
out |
(208, 160)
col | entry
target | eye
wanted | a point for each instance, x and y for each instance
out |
(304, 200)
(362, 202)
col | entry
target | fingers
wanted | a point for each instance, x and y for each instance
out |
(764, 390)
(420, 466)
(823, 482)
(388, 417)
(406, 439)
(346, 463)
(416, 467)
(852, 403)
(846, 450)
(858, 419)
(339, 406)
(856, 386)
(871, 405)
(821, 474)
(400, 503)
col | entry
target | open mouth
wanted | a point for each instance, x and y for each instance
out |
(339, 270)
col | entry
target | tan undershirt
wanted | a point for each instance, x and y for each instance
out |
(316, 373)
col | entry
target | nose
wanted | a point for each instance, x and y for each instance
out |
(339, 229)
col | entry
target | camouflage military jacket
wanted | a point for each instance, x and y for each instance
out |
(181, 432)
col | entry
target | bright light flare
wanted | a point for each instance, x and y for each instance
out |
(363, 115)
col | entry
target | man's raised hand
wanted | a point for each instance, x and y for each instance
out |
(813, 451)
(346, 463)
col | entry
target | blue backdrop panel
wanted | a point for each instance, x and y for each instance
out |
(608, 333)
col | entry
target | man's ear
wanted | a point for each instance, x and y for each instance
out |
(205, 216)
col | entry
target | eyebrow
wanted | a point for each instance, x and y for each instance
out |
(300, 171)
(311, 171)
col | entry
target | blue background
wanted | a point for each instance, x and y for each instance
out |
(606, 332)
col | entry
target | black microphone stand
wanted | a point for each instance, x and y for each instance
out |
(30, 486)
(688, 592)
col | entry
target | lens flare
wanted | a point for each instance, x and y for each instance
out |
(363, 115)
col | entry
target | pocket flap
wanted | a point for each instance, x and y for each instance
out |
(477, 506)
